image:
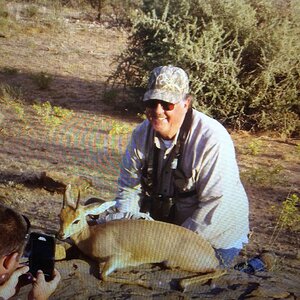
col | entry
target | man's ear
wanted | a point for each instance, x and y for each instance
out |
(188, 101)
(9, 262)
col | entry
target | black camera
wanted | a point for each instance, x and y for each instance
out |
(41, 252)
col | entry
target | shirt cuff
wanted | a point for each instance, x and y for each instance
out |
(192, 225)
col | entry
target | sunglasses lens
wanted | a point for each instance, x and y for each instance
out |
(151, 104)
(165, 105)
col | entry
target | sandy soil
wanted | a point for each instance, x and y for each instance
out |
(83, 150)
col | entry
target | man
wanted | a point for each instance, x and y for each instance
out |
(14, 232)
(180, 166)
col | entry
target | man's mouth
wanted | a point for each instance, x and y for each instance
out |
(155, 117)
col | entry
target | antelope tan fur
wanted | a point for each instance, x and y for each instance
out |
(124, 243)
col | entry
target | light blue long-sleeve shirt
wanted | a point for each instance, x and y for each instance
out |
(219, 209)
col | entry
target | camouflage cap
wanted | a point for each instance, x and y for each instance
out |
(167, 83)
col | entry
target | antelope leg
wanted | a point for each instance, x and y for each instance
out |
(201, 278)
(117, 262)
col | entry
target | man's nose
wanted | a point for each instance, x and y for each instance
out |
(158, 108)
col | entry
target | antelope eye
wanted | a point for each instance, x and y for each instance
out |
(76, 222)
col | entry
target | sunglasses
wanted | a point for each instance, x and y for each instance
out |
(27, 227)
(152, 104)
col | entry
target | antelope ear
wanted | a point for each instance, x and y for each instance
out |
(97, 209)
(67, 199)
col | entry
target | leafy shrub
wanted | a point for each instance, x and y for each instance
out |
(290, 214)
(264, 175)
(242, 57)
(254, 147)
(119, 128)
(9, 70)
(11, 96)
(9, 93)
(42, 80)
(110, 96)
(52, 116)
(288, 217)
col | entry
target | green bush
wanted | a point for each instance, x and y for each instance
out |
(52, 116)
(242, 57)
(290, 214)
(262, 176)
(11, 96)
(42, 80)
(288, 217)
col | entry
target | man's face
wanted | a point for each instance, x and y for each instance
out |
(166, 118)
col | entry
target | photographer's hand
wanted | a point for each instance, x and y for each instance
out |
(41, 289)
(9, 287)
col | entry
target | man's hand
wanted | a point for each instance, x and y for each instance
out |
(127, 215)
(42, 289)
(9, 287)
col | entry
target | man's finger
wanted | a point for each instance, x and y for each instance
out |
(20, 271)
(40, 277)
(56, 277)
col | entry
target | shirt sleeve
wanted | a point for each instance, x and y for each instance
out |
(219, 192)
(129, 182)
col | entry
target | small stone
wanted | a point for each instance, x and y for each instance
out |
(298, 254)
(60, 252)
(271, 292)
(269, 259)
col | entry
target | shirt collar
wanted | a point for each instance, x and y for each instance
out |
(158, 141)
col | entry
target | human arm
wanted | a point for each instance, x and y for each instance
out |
(41, 289)
(220, 213)
(129, 182)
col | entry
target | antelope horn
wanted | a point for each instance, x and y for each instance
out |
(78, 199)
(64, 200)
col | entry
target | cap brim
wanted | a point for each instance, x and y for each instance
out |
(163, 95)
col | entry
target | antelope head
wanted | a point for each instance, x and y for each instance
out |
(73, 215)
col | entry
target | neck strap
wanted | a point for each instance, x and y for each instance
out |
(151, 166)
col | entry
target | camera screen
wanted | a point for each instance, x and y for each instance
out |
(42, 254)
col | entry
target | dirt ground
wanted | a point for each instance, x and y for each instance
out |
(86, 150)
